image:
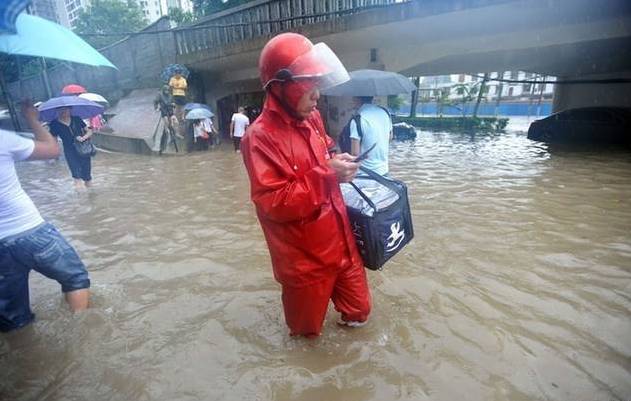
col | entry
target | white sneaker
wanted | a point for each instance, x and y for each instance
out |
(351, 323)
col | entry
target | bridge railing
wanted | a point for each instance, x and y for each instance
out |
(265, 17)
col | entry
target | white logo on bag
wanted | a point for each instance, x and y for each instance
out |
(396, 237)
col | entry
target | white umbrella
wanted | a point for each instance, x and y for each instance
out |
(95, 97)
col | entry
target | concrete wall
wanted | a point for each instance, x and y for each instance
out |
(122, 144)
(139, 59)
(589, 95)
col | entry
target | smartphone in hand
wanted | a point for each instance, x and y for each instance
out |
(365, 154)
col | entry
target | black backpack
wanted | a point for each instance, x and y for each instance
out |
(344, 140)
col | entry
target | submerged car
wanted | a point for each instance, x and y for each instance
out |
(591, 124)
(403, 131)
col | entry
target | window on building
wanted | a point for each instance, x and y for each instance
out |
(510, 91)
(373, 55)
(461, 78)
(527, 87)
(514, 74)
(529, 75)
(497, 89)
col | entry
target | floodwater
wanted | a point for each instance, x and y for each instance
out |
(516, 287)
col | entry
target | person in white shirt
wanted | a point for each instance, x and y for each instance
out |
(376, 128)
(238, 125)
(26, 240)
(209, 127)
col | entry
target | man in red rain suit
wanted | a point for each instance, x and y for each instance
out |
(294, 182)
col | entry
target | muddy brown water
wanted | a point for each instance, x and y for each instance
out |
(516, 287)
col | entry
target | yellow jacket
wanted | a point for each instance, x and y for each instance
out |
(178, 86)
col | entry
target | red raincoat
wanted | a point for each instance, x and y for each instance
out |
(303, 216)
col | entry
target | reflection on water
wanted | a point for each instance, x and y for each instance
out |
(516, 287)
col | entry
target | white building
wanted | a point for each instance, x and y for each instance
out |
(68, 10)
(154, 9)
(452, 86)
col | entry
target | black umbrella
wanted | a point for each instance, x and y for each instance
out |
(372, 83)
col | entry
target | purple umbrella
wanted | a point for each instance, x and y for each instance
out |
(79, 107)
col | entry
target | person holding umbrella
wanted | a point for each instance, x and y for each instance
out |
(375, 126)
(178, 86)
(203, 128)
(371, 125)
(65, 115)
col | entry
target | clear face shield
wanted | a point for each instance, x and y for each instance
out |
(319, 64)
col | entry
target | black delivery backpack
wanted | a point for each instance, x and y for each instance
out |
(379, 213)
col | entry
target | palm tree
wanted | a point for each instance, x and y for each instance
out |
(467, 92)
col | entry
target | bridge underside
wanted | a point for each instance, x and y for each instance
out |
(562, 38)
(565, 38)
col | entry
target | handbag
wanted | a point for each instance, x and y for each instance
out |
(85, 148)
(379, 213)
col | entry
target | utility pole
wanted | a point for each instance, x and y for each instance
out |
(415, 94)
(480, 92)
(500, 88)
(42, 63)
(541, 89)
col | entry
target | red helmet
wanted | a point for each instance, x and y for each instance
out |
(291, 56)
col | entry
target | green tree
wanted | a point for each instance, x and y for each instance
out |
(180, 17)
(394, 103)
(109, 17)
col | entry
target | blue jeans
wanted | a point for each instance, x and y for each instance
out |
(44, 250)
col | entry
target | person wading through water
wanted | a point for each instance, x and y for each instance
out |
(294, 182)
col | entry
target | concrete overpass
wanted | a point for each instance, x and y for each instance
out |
(563, 38)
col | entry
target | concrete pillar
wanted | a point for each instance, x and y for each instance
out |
(592, 95)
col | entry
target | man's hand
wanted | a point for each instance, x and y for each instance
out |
(46, 146)
(344, 167)
(31, 114)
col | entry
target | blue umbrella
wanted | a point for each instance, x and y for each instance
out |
(9, 11)
(191, 106)
(79, 107)
(41, 38)
(198, 114)
(171, 69)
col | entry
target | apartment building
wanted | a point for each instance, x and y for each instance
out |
(453, 84)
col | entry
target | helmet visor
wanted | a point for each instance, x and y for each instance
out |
(322, 64)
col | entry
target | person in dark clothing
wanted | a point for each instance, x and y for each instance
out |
(164, 103)
(69, 129)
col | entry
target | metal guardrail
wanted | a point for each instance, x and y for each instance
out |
(265, 17)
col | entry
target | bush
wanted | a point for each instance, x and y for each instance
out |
(492, 124)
